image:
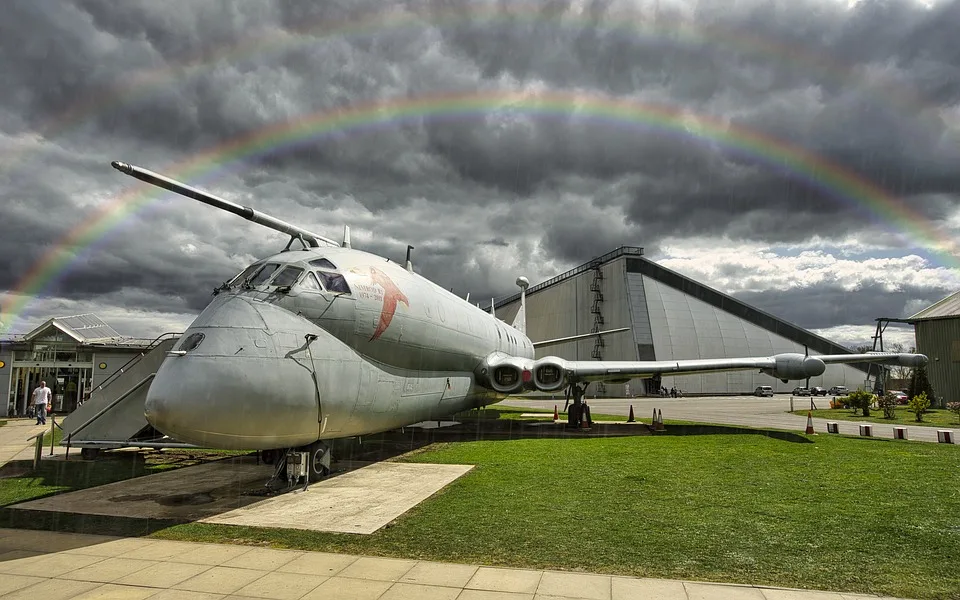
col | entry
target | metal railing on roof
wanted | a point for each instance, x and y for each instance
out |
(591, 264)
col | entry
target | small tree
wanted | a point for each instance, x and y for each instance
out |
(954, 407)
(860, 399)
(920, 384)
(918, 405)
(888, 402)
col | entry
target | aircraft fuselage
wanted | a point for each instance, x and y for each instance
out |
(280, 362)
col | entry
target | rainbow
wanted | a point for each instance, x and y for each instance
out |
(801, 164)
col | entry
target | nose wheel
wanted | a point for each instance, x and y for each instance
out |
(578, 415)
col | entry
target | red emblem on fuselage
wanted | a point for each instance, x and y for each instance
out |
(391, 296)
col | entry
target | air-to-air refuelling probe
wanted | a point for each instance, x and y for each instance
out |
(326, 342)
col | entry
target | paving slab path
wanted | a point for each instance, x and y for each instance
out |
(51, 566)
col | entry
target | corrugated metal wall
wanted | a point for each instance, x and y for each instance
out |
(939, 339)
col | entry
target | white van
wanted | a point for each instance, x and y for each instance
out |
(763, 390)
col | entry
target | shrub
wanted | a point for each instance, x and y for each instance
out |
(888, 403)
(860, 399)
(918, 405)
(954, 407)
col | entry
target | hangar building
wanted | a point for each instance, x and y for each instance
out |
(938, 336)
(73, 355)
(670, 316)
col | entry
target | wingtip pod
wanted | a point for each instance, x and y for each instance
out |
(913, 360)
(121, 166)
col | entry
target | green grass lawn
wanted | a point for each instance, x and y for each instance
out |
(935, 417)
(835, 513)
(2, 423)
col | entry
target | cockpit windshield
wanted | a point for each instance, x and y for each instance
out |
(288, 276)
(261, 276)
(244, 275)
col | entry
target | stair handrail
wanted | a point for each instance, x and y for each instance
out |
(99, 414)
(156, 342)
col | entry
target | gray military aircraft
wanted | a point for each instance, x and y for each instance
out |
(325, 341)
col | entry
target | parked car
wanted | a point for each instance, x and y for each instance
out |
(838, 390)
(818, 391)
(901, 397)
(800, 391)
(763, 390)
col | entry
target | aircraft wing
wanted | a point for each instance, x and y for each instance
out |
(553, 373)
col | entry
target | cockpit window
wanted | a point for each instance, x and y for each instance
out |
(334, 282)
(310, 283)
(244, 274)
(322, 263)
(263, 274)
(288, 276)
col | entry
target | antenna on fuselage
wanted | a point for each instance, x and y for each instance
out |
(346, 237)
(493, 308)
(231, 207)
(409, 264)
(468, 297)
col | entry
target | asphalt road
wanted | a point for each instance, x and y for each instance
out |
(751, 411)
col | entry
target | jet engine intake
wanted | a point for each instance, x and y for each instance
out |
(549, 374)
(791, 365)
(507, 374)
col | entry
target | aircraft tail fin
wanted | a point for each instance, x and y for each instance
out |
(520, 321)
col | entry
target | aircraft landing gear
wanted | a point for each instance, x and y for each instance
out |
(307, 463)
(578, 413)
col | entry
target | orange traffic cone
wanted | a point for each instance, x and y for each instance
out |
(631, 418)
(659, 420)
(556, 414)
(809, 423)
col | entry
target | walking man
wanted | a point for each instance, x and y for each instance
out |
(41, 397)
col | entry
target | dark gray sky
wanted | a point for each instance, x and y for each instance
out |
(870, 87)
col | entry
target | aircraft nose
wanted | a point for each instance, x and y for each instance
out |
(226, 385)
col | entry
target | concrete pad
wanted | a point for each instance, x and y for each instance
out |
(592, 587)
(46, 541)
(318, 563)
(117, 592)
(11, 583)
(220, 580)
(360, 501)
(505, 580)
(412, 591)
(263, 559)
(705, 591)
(486, 595)
(53, 589)
(381, 569)
(652, 589)
(431, 573)
(186, 494)
(340, 588)
(163, 575)
(106, 571)
(281, 586)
